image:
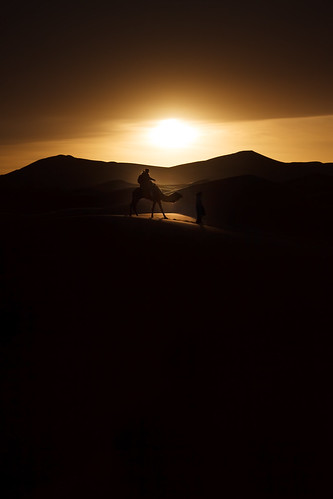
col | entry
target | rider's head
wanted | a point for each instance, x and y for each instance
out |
(147, 170)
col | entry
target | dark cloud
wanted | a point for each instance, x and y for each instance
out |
(88, 61)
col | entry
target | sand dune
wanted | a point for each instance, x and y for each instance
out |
(69, 173)
(171, 217)
(160, 356)
(243, 191)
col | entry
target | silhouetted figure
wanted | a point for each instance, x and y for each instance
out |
(156, 196)
(145, 181)
(151, 191)
(199, 208)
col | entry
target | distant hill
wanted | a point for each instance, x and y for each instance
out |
(247, 163)
(242, 191)
(67, 173)
(302, 206)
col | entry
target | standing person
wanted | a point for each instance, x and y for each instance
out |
(199, 208)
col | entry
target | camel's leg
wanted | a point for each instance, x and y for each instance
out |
(152, 209)
(135, 198)
(133, 208)
(161, 208)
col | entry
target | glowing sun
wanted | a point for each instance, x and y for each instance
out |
(173, 133)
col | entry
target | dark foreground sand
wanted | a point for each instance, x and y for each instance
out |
(160, 359)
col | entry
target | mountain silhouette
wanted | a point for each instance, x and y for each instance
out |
(69, 173)
(66, 173)
(241, 191)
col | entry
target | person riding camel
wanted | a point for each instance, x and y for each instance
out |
(145, 181)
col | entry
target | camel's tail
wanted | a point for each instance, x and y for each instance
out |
(171, 198)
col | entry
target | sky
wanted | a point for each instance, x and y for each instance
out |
(93, 79)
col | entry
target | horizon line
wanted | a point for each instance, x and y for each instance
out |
(159, 166)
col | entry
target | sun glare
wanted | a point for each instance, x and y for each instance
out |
(173, 133)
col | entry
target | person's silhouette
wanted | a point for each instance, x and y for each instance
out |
(200, 210)
(145, 181)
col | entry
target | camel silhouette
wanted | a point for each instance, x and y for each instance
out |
(155, 195)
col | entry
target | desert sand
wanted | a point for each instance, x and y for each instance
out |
(157, 358)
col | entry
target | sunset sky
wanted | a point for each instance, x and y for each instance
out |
(94, 79)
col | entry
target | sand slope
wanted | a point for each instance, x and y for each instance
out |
(156, 358)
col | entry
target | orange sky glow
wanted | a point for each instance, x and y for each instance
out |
(93, 79)
(289, 139)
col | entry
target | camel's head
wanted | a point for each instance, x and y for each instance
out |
(177, 196)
